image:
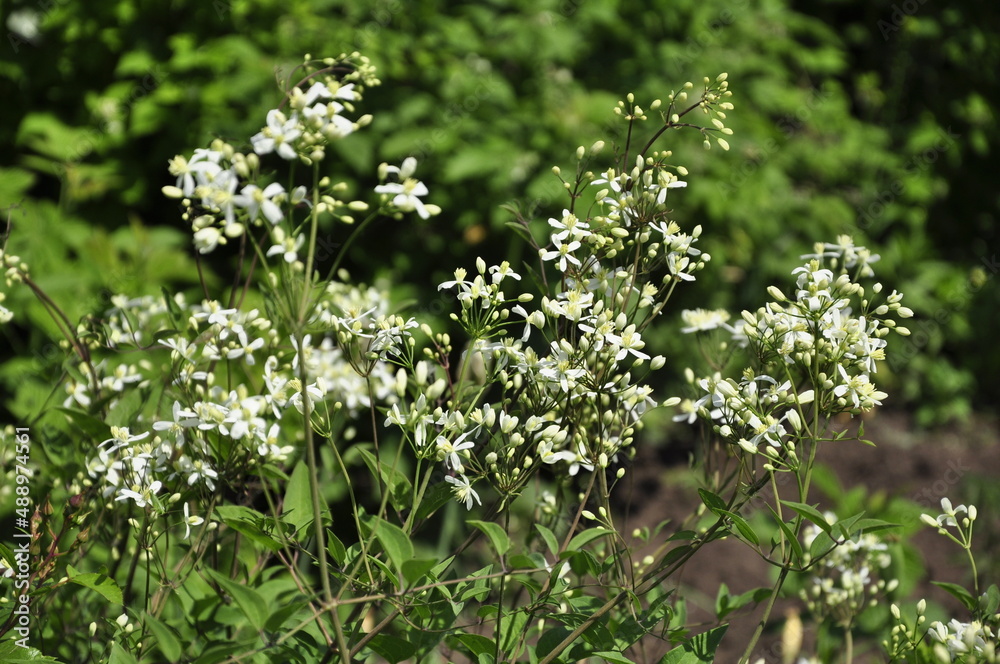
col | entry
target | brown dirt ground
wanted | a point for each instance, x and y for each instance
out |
(920, 465)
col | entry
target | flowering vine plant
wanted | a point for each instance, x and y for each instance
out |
(299, 470)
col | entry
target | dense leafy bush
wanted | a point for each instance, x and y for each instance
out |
(866, 119)
(276, 470)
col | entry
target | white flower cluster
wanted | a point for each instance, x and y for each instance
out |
(211, 431)
(972, 641)
(566, 367)
(15, 271)
(222, 188)
(845, 581)
(829, 336)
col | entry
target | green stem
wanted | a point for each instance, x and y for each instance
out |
(767, 614)
(317, 503)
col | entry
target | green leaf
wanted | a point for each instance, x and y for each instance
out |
(531, 561)
(396, 543)
(296, 509)
(282, 614)
(726, 603)
(549, 537)
(163, 637)
(498, 538)
(958, 591)
(245, 521)
(810, 513)
(414, 570)
(790, 537)
(742, 526)
(700, 648)
(611, 656)
(100, 583)
(121, 656)
(476, 643)
(400, 489)
(991, 603)
(392, 648)
(435, 497)
(89, 424)
(247, 599)
(871, 526)
(712, 501)
(335, 547)
(580, 539)
(11, 653)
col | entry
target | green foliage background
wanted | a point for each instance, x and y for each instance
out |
(874, 119)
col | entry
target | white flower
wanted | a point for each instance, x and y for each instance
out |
(277, 136)
(190, 521)
(203, 162)
(141, 495)
(702, 320)
(563, 252)
(406, 192)
(629, 341)
(207, 239)
(288, 247)
(449, 450)
(569, 226)
(182, 419)
(256, 200)
(463, 490)
(120, 437)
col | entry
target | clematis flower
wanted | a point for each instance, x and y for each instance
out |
(257, 200)
(407, 191)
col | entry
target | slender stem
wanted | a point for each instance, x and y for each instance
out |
(849, 649)
(350, 240)
(345, 652)
(767, 614)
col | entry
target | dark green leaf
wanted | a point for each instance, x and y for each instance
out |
(580, 539)
(392, 648)
(790, 537)
(163, 637)
(712, 501)
(810, 513)
(415, 570)
(991, 603)
(296, 509)
(98, 582)
(958, 591)
(336, 547)
(251, 604)
(700, 648)
(498, 538)
(396, 543)
(549, 537)
(121, 656)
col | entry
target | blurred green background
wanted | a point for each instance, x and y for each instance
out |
(874, 119)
